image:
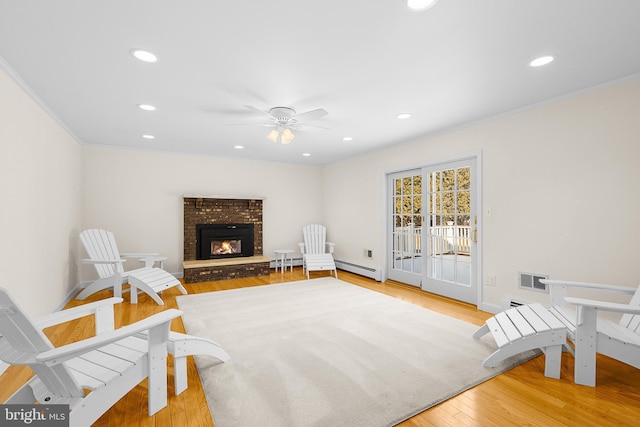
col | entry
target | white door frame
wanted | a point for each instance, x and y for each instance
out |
(477, 156)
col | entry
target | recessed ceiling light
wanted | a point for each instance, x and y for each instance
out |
(420, 5)
(347, 138)
(238, 147)
(146, 107)
(146, 136)
(306, 154)
(143, 55)
(403, 116)
(543, 60)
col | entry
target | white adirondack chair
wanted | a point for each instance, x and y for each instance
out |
(109, 364)
(104, 256)
(591, 334)
(317, 253)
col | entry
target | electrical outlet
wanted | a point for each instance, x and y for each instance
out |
(490, 280)
(368, 253)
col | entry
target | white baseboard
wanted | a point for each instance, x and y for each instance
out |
(491, 308)
(373, 273)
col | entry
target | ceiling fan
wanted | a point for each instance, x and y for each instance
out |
(285, 119)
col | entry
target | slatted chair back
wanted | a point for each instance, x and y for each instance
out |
(101, 246)
(632, 321)
(21, 341)
(315, 238)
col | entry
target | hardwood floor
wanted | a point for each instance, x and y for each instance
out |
(521, 396)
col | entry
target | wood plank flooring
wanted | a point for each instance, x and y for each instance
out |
(522, 396)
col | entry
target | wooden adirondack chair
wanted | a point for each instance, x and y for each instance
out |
(591, 334)
(317, 253)
(109, 364)
(104, 256)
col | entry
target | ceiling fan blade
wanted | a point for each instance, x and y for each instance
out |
(307, 127)
(269, 125)
(257, 110)
(311, 115)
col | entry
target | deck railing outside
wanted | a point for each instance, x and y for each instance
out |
(444, 239)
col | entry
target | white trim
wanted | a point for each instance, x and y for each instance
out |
(475, 156)
(444, 160)
(480, 228)
(372, 273)
(222, 196)
(4, 65)
(491, 308)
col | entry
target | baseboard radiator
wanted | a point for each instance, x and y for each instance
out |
(372, 273)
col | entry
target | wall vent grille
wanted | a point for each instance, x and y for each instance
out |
(513, 303)
(531, 281)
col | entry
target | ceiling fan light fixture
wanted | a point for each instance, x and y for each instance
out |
(273, 136)
(287, 136)
(420, 5)
(282, 136)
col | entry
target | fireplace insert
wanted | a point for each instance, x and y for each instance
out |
(224, 241)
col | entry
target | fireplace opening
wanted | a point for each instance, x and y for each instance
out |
(224, 241)
(226, 247)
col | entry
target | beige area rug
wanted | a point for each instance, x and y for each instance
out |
(324, 352)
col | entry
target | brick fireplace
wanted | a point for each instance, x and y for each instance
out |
(225, 213)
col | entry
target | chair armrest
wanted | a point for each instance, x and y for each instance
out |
(301, 245)
(75, 312)
(331, 246)
(595, 286)
(604, 305)
(69, 351)
(103, 261)
(138, 254)
(558, 289)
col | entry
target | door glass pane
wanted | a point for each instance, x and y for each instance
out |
(463, 274)
(449, 196)
(463, 178)
(448, 266)
(463, 203)
(448, 180)
(407, 222)
(417, 184)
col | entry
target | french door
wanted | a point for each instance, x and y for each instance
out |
(433, 229)
(406, 263)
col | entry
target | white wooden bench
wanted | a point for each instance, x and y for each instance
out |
(526, 328)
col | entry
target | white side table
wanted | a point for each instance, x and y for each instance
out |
(284, 259)
(149, 261)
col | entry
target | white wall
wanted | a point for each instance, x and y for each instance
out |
(138, 195)
(40, 167)
(561, 179)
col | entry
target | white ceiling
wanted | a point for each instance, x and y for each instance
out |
(363, 61)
